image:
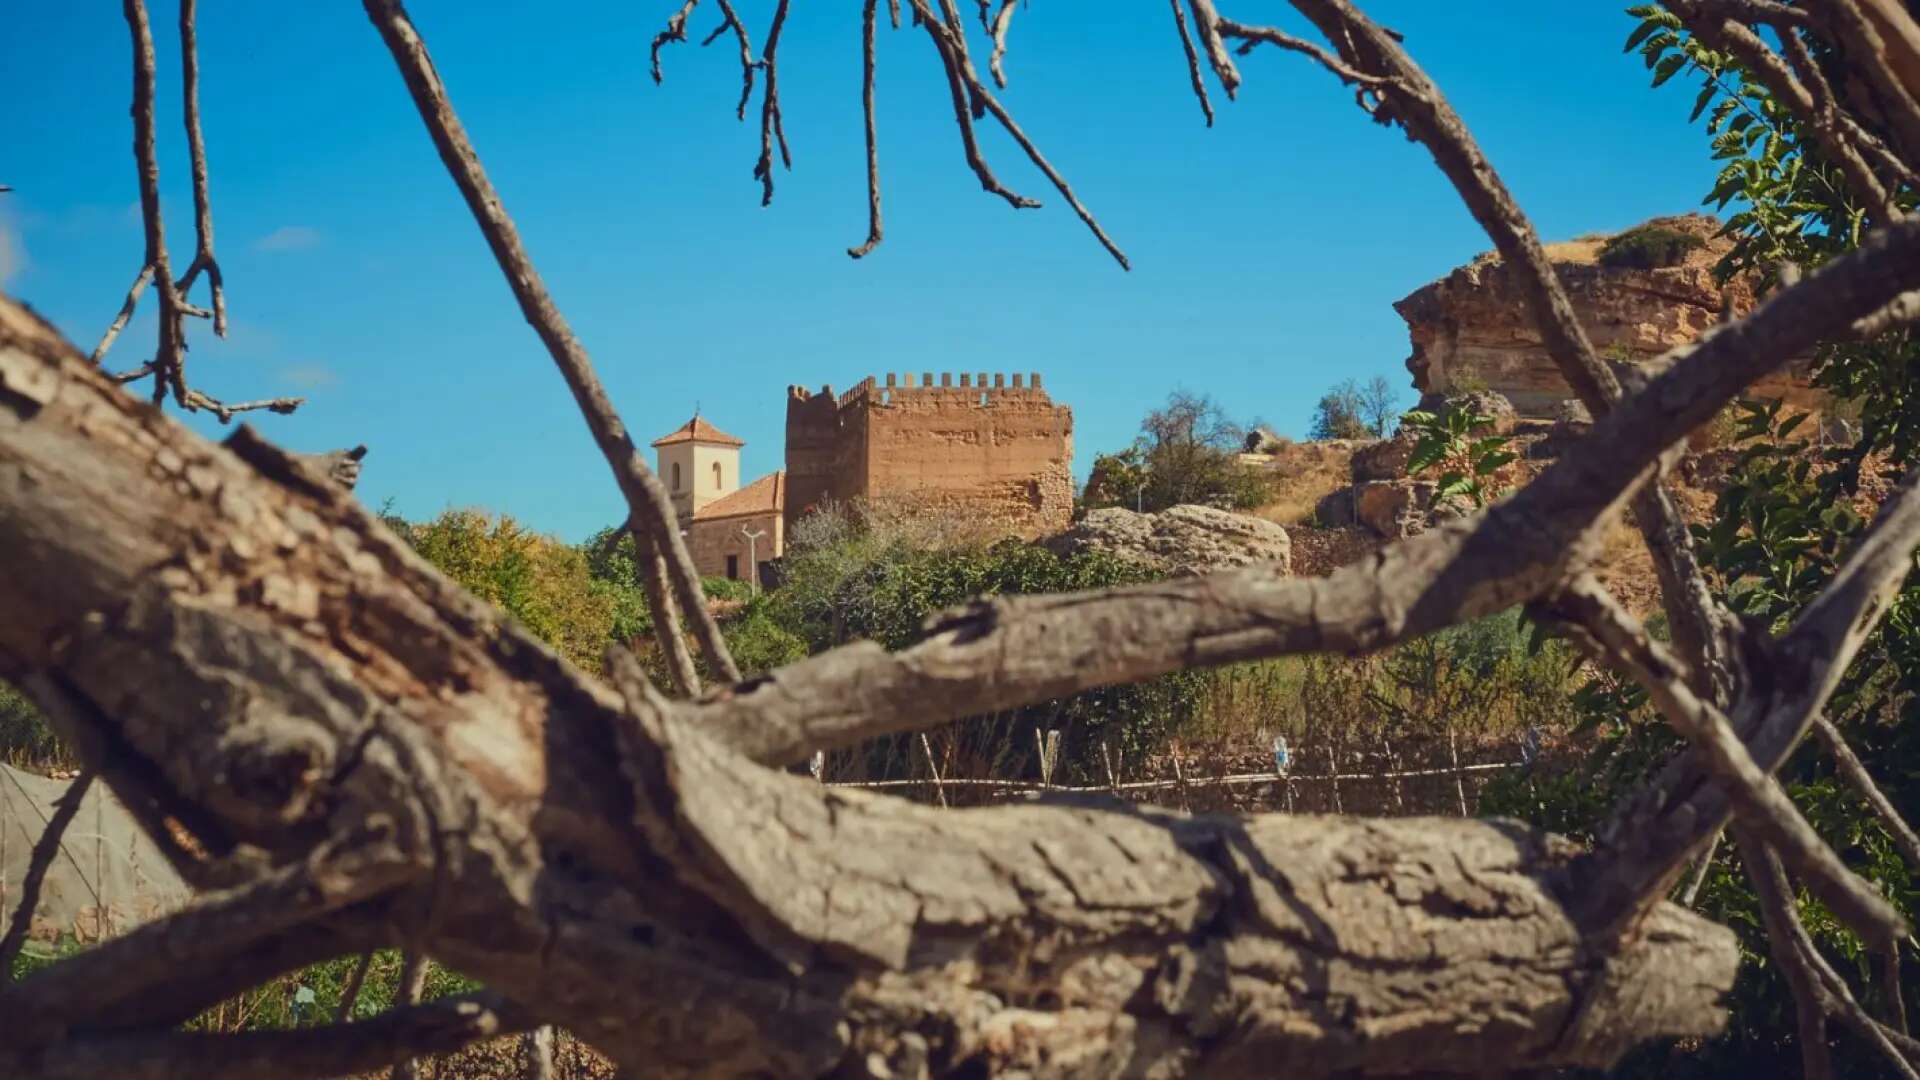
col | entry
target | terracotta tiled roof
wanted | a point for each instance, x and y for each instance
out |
(767, 495)
(698, 430)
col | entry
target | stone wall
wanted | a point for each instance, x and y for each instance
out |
(1471, 329)
(995, 446)
(710, 541)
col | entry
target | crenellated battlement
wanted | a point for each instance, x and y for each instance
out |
(968, 436)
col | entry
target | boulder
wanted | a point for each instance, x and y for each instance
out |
(1180, 539)
(1386, 459)
(1393, 508)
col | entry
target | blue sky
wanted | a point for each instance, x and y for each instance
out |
(1266, 250)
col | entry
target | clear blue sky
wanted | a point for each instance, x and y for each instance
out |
(1266, 251)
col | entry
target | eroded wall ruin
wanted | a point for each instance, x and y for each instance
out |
(995, 447)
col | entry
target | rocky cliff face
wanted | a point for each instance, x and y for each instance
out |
(1471, 331)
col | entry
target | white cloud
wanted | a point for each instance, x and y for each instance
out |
(310, 376)
(288, 238)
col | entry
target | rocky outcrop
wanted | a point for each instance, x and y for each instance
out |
(1471, 329)
(1180, 539)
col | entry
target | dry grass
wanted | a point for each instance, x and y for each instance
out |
(1302, 474)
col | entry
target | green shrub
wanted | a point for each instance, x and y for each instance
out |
(544, 584)
(25, 739)
(1649, 247)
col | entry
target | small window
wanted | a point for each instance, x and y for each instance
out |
(716, 476)
(733, 563)
(676, 476)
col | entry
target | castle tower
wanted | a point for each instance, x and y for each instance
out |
(699, 463)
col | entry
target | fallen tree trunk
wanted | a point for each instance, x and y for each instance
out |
(351, 751)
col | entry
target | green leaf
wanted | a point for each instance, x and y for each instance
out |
(1700, 103)
(1640, 34)
(1494, 462)
(1668, 68)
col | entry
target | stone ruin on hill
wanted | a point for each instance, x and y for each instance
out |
(1471, 329)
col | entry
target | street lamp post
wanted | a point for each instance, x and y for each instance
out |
(753, 563)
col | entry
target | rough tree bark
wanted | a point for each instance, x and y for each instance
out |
(279, 669)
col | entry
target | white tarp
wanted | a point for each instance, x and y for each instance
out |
(107, 876)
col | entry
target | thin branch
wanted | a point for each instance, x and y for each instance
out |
(226, 411)
(203, 258)
(1816, 986)
(1702, 870)
(997, 29)
(350, 993)
(406, 995)
(1856, 774)
(1256, 35)
(961, 68)
(170, 356)
(1610, 635)
(676, 30)
(38, 863)
(646, 497)
(1206, 19)
(656, 582)
(140, 282)
(867, 57)
(747, 63)
(771, 130)
(1193, 59)
(962, 113)
(1809, 997)
(1656, 828)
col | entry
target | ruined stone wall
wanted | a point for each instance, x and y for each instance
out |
(992, 446)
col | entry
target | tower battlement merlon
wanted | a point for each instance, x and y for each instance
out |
(964, 386)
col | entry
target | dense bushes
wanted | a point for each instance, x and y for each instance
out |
(1187, 452)
(854, 572)
(1648, 247)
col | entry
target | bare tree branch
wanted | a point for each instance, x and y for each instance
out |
(1656, 829)
(997, 29)
(1206, 19)
(584, 854)
(140, 283)
(676, 30)
(1193, 60)
(953, 48)
(648, 500)
(1856, 774)
(1817, 989)
(1809, 997)
(747, 62)
(1614, 637)
(203, 258)
(867, 60)
(406, 995)
(771, 130)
